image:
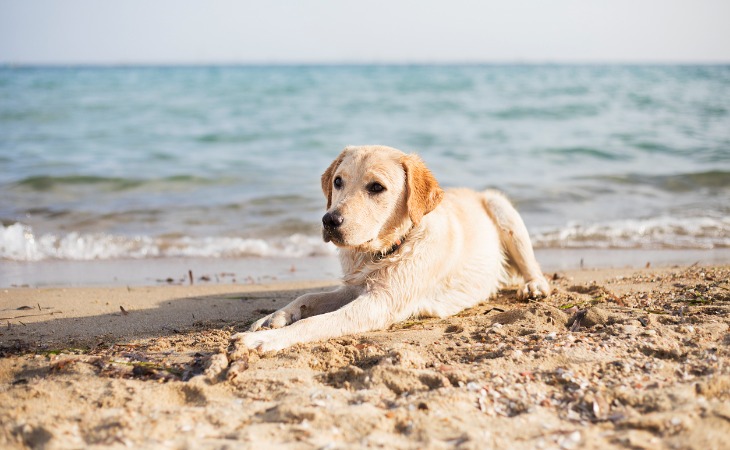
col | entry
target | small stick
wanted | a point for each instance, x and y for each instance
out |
(28, 315)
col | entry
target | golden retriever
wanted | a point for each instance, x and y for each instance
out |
(407, 248)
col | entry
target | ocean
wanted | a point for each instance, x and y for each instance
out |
(105, 163)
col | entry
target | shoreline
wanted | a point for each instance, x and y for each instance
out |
(212, 271)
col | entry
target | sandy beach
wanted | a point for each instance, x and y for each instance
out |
(615, 358)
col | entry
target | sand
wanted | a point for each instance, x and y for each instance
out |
(622, 358)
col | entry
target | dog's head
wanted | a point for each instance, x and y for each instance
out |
(375, 194)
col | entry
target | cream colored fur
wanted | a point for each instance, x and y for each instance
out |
(459, 247)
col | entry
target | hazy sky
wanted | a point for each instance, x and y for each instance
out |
(271, 31)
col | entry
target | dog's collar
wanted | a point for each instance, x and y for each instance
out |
(397, 245)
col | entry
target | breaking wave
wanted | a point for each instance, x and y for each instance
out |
(18, 242)
(655, 233)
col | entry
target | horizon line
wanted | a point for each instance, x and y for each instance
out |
(344, 63)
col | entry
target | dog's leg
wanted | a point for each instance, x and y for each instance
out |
(366, 313)
(516, 243)
(308, 305)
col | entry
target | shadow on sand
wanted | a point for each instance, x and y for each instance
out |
(27, 331)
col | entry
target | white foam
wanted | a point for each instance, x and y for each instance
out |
(19, 243)
(653, 233)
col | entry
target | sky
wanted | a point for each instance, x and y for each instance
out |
(372, 31)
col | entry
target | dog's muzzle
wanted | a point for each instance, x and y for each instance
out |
(331, 223)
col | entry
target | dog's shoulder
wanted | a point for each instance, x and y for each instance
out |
(459, 201)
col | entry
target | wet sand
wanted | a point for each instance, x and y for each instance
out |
(206, 271)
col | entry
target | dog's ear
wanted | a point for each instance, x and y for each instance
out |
(328, 175)
(424, 192)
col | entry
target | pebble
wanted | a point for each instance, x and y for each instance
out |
(473, 387)
(571, 441)
(551, 336)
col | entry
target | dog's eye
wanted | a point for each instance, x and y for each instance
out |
(375, 188)
(338, 182)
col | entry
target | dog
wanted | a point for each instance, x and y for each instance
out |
(407, 249)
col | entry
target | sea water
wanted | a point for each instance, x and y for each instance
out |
(161, 162)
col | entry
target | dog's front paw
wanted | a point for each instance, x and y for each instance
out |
(534, 289)
(263, 341)
(280, 318)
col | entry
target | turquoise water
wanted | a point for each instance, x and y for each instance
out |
(225, 161)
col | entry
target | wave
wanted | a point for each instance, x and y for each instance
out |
(46, 183)
(563, 112)
(685, 182)
(228, 138)
(588, 152)
(654, 233)
(18, 242)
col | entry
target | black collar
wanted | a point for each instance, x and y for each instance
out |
(391, 250)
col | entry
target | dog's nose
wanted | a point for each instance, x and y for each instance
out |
(332, 220)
